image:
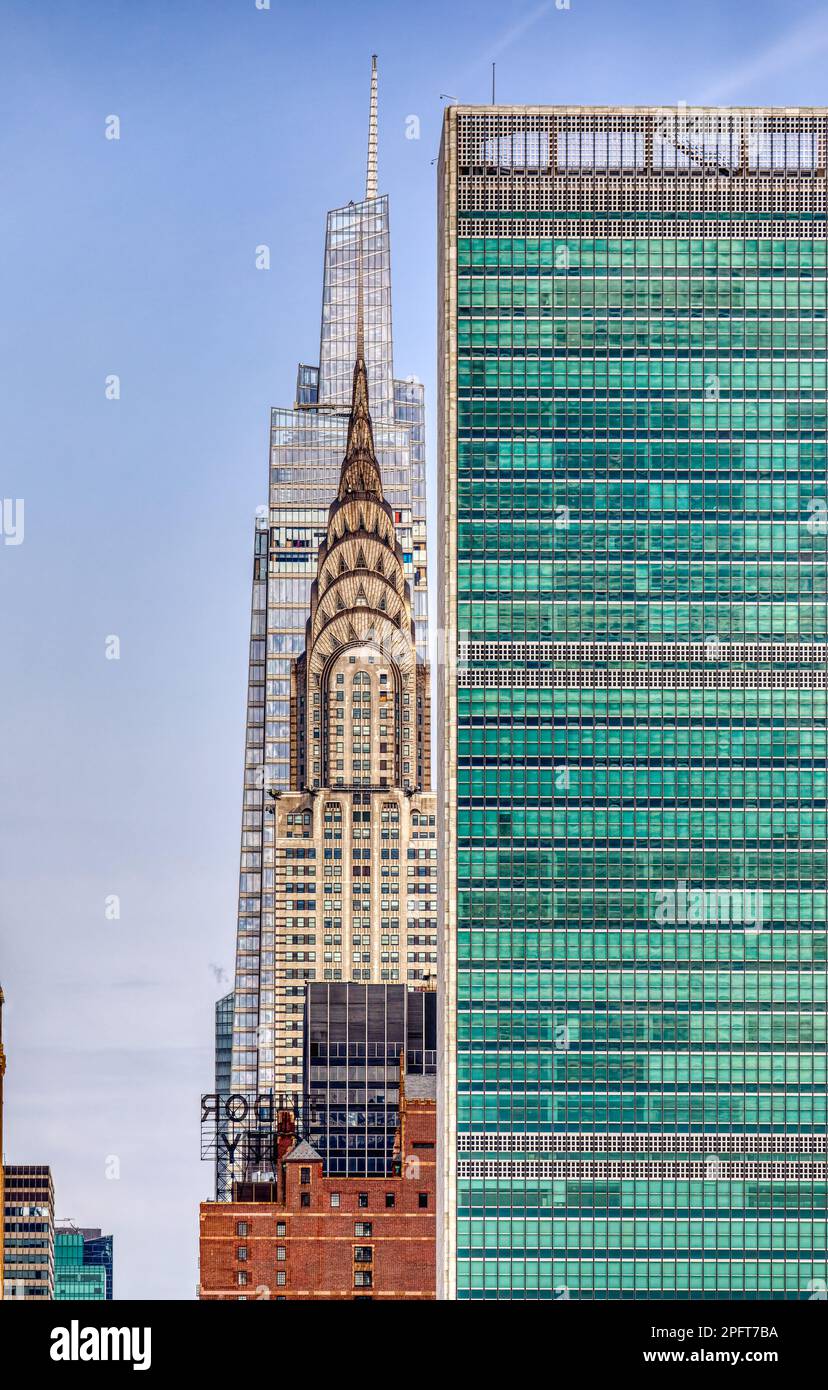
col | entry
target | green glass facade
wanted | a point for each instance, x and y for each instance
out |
(74, 1279)
(634, 436)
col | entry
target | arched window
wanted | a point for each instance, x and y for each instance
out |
(361, 712)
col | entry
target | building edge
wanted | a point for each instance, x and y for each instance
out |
(446, 717)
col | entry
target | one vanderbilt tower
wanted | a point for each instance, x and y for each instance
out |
(337, 749)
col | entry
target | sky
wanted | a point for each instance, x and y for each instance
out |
(241, 124)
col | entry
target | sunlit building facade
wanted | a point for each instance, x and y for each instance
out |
(308, 443)
(351, 846)
(28, 1232)
(633, 779)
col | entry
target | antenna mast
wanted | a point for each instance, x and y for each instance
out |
(371, 176)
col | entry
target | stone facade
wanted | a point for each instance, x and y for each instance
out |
(350, 851)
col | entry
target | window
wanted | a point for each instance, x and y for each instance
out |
(363, 1279)
(524, 149)
(281, 1278)
(280, 1252)
(363, 1254)
(390, 1200)
(281, 1229)
(241, 1228)
(304, 1199)
(241, 1276)
(591, 149)
(363, 1229)
(334, 1199)
(304, 1175)
(776, 150)
(362, 1199)
(241, 1253)
(422, 1199)
(677, 146)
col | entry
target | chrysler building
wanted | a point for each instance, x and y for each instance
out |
(349, 851)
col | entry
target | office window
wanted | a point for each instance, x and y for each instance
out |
(241, 1228)
(304, 1199)
(422, 1199)
(390, 1200)
(334, 1199)
(241, 1252)
(524, 149)
(600, 149)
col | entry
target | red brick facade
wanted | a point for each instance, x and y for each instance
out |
(337, 1238)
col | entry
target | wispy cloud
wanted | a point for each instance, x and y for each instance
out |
(499, 44)
(511, 35)
(799, 45)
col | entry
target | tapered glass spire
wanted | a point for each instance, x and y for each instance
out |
(360, 470)
(371, 176)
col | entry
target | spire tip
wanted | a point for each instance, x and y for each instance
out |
(371, 175)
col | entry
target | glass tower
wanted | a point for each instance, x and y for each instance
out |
(98, 1252)
(82, 1274)
(307, 446)
(355, 1036)
(633, 703)
(28, 1231)
(222, 1076)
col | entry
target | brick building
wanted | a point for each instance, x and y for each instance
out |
(308, 1236)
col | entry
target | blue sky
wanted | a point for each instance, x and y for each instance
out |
(239, 126)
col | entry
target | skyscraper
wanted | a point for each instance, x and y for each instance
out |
(355, 1039)
(222, 1075)
(99, 1253)
(83, 1269)
(29, 1232)
(308, 443)
(633, 704)
(348, 852)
